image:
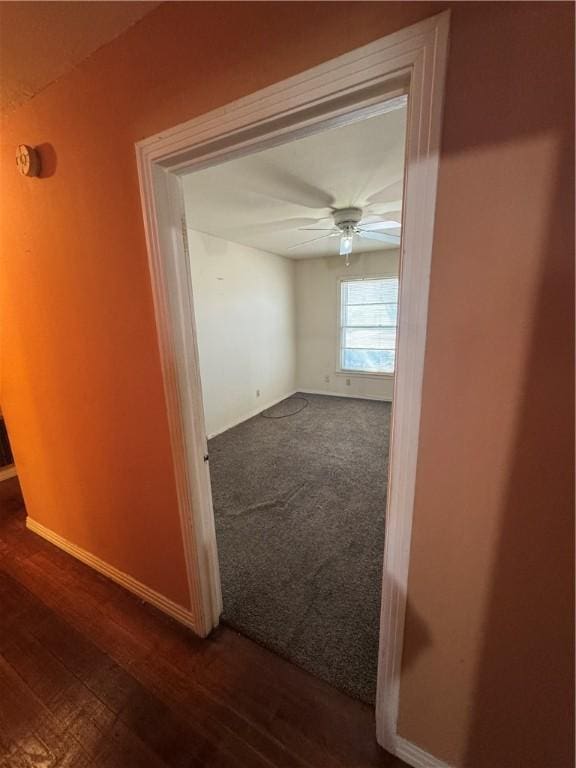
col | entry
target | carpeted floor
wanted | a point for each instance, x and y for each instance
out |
(299, 505)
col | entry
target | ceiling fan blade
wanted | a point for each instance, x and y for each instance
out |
(390, 239)
(318, 229)
(376, 225)
(384, 195)
(314, 240)
(279, 184)
(270, 227)
(381, 209)
(323, 211)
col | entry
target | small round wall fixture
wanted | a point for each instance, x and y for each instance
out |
(27, 160)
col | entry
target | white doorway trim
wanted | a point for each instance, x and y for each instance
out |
(339, 91)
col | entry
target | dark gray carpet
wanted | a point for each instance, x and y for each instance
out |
(299, 505)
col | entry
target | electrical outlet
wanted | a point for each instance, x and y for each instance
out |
(347, 382)
(257, 393)
(327, 379)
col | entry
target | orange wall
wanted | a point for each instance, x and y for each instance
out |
(486, 680)
(492, 575)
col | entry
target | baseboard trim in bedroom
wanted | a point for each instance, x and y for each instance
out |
(343, 394)
(251, 414)
(164, 604)
(415, 756)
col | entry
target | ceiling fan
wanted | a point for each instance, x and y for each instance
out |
(348, 225)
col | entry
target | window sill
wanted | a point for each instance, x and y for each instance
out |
(364, 374)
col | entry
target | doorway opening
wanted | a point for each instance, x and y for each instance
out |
(340, 92)
(295, 262)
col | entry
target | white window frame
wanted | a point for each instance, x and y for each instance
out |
(350, 372)
(346, 88)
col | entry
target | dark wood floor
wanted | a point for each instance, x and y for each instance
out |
(90, 676)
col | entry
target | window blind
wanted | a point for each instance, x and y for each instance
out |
(368, 320)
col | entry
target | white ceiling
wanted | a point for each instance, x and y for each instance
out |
(265, 199)
(41, 41)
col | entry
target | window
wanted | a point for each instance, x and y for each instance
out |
(368, 319)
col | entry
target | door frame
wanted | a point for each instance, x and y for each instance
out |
(336, 92)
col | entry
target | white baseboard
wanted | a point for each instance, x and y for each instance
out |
(272, 403)
(7, 472)
(183, 615)
(250, 415)
(343, 394)
(415, 756)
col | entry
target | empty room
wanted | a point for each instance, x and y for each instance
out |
(294, 258)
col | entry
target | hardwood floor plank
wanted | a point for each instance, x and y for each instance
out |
(20, 711)
(95, 678)
(30, 734)
(122, 749)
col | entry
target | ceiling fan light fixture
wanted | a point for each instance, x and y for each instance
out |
(348, 224)
(346, 242)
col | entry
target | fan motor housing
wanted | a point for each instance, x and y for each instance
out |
(347, 217)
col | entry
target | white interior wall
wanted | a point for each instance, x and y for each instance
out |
(244, 304)
(317, 315)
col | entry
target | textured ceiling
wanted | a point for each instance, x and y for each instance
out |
(263, 200)
(41, 41)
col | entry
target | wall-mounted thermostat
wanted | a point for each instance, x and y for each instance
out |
(27, 160)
